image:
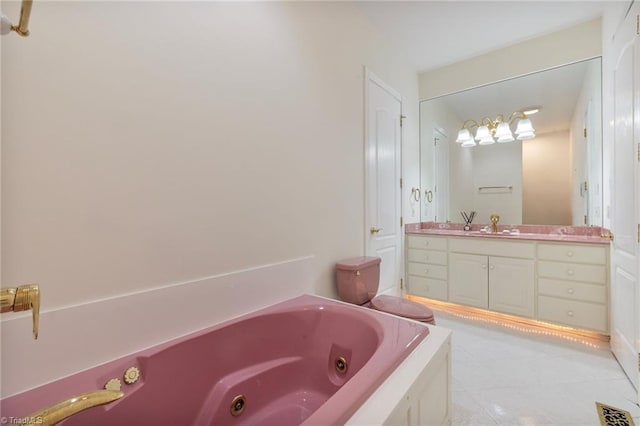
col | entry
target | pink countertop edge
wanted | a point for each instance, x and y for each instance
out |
(553, 233)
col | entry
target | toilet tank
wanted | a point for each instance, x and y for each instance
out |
(357, 279)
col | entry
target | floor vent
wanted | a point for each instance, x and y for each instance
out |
(612, 416)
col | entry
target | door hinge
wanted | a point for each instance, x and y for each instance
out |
(585, 219)
(402, 117)
(639, 232)
(435, 141)
(638, 145)
(585, 132)
(401, 221)
(402, 288)
(400, 182)
(638, 24)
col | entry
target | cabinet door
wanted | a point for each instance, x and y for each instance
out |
(511, 286)
(468, 279)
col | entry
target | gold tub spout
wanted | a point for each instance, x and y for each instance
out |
(60, 411)
(22, 298)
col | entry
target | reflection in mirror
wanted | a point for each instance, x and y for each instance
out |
(552, 179)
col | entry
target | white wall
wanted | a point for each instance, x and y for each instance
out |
(497, 165)
(154, 142)
(546, 179)
(562, 47)
(462, 182)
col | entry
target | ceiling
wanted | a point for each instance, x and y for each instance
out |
(438, 33)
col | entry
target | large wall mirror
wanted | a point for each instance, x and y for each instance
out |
(554, 178)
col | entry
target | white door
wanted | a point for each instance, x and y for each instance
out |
(383, 230)
(625, 292)
(441, 172)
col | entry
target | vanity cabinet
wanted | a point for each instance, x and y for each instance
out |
(427, 262)
(572, 285)
(561, 283)
(501, 284)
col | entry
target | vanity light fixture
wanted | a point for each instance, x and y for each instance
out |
(490, 131)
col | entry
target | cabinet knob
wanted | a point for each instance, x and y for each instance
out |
(569, 254)
(491, 267)
(570, 272)
(484, 266)
(426, 271)
(570, 313)
(570, 291)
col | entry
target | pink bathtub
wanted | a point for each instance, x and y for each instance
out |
(307, 361)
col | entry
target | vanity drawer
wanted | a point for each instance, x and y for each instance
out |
(428, 271)
(426, 242)
(427, 287)
(573, 253)
(573, 271)
(578, 314)
(573, 290)
(427, 256)
(489, 247)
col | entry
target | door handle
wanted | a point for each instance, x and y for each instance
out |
(428, 196)
(415, 193)
(375, 230)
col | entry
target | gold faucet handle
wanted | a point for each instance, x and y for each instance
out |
(495, 218)
(28, 297)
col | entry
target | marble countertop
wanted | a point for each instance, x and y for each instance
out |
(564, 234)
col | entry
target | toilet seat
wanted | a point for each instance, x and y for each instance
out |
(403, 308)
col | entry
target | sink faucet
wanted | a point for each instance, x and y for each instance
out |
(494, 223)
(22, 298)
(60, 411)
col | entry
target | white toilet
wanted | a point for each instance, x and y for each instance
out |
(357, 281)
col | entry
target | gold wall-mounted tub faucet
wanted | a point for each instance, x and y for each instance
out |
(22, 298)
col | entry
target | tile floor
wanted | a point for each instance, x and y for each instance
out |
(502, 376)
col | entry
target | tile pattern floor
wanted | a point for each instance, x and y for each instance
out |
(501, 376)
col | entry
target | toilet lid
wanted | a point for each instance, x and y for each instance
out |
(402, 307)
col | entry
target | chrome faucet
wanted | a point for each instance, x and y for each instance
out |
(60, 411)
(494, 223)
(22, 298)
